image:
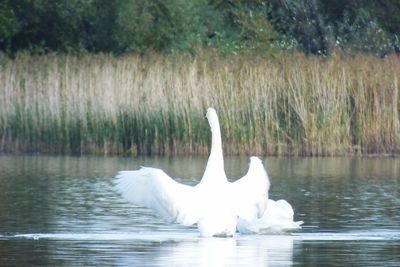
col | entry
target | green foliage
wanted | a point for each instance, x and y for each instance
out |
(303, 20)
(135, 26)
(364, 33)
(7, 23)
(365, 25)
(99, 26)
(48, 25)
(170, 26)
(156, 25)
(245, 26)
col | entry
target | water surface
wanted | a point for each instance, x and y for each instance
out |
(64, 211)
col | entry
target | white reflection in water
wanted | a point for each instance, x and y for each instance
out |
(177, 248)
(241, 251)
(174, 249)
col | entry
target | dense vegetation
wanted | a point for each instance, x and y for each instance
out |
(261, 26)
(287, 105)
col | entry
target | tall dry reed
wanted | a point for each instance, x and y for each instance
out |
(290, 104)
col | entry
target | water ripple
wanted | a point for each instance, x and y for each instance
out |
(160, 236)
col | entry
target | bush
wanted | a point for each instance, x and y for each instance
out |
(246, 27)
(154, 25)
(7, 24)
(169, 26)
(303, 21)
(364, 33)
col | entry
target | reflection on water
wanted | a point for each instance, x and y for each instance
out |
(157, 249)
(222, 252)
(64, 211)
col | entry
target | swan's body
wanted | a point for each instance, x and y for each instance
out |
(214, 204)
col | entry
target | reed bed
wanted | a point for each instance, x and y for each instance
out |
(290, 104)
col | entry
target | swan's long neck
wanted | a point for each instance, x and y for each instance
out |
(215, 165)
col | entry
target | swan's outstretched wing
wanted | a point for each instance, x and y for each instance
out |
(154, 189)
(251, 191)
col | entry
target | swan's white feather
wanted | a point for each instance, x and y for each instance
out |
(251, 191)
(154, 189)
(277, 219)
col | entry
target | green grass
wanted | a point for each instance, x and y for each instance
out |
(289, 104)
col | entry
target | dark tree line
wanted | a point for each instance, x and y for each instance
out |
(232, 26)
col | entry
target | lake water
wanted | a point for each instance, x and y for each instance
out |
(64, 211)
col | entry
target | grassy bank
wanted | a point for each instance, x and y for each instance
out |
(285, 105)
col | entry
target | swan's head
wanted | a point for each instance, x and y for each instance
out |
(211, 113)
(212, 117)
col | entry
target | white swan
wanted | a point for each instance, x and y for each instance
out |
(214, 204)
